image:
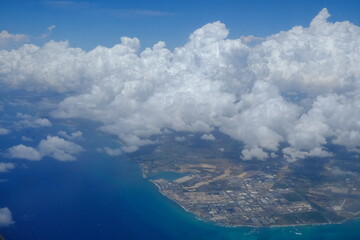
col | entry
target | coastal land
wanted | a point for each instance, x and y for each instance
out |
(208, 179)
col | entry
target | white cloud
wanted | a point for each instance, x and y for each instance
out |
(4, 131)
(208, 136)
(52, 146)
(69, 4)
(318, 59)
(9, 41)
(24, 152)
(337, 171)
(5, 217)
(254, 153)
(111, 151)
(128, 13)
(59, 148)
(93, 7)
(5, 167)
(251, 40)
(299, 87)
(73, 135)
(48, 32)
(24, 138)
(31, 122)
(292, 154)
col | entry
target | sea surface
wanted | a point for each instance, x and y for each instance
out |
(103, 197)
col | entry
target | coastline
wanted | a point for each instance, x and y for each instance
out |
(248, 226)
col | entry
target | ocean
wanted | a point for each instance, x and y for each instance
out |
(103, 197)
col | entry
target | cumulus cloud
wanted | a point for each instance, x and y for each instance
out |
(53, 146)
(24, 152)
(28, 121)
(4, 131)
(208, 136)
(5, 167)
(9, 41)
(254, 153)
(59, 148)
(297, 88)
(5, 217)
(251, 40)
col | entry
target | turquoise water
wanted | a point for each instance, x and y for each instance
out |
(102, 197)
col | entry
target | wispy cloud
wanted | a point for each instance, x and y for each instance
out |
(128, 13)
(115, 12)
(69, 4)
(47, 33)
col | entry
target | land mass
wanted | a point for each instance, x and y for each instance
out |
(208, 179)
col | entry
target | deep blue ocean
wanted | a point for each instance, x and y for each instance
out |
(103, 197)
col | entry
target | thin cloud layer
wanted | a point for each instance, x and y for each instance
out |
(5, 167)
(110, 151)
(4, 131)
(291, 93)
(74, 135)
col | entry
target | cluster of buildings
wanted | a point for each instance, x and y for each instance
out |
(237, 200)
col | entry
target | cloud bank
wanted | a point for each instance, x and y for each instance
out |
(291, 93)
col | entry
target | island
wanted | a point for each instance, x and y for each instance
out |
(210, 180)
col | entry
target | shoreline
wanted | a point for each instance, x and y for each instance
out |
(246, 226)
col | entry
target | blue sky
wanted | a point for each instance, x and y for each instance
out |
(87, 24)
